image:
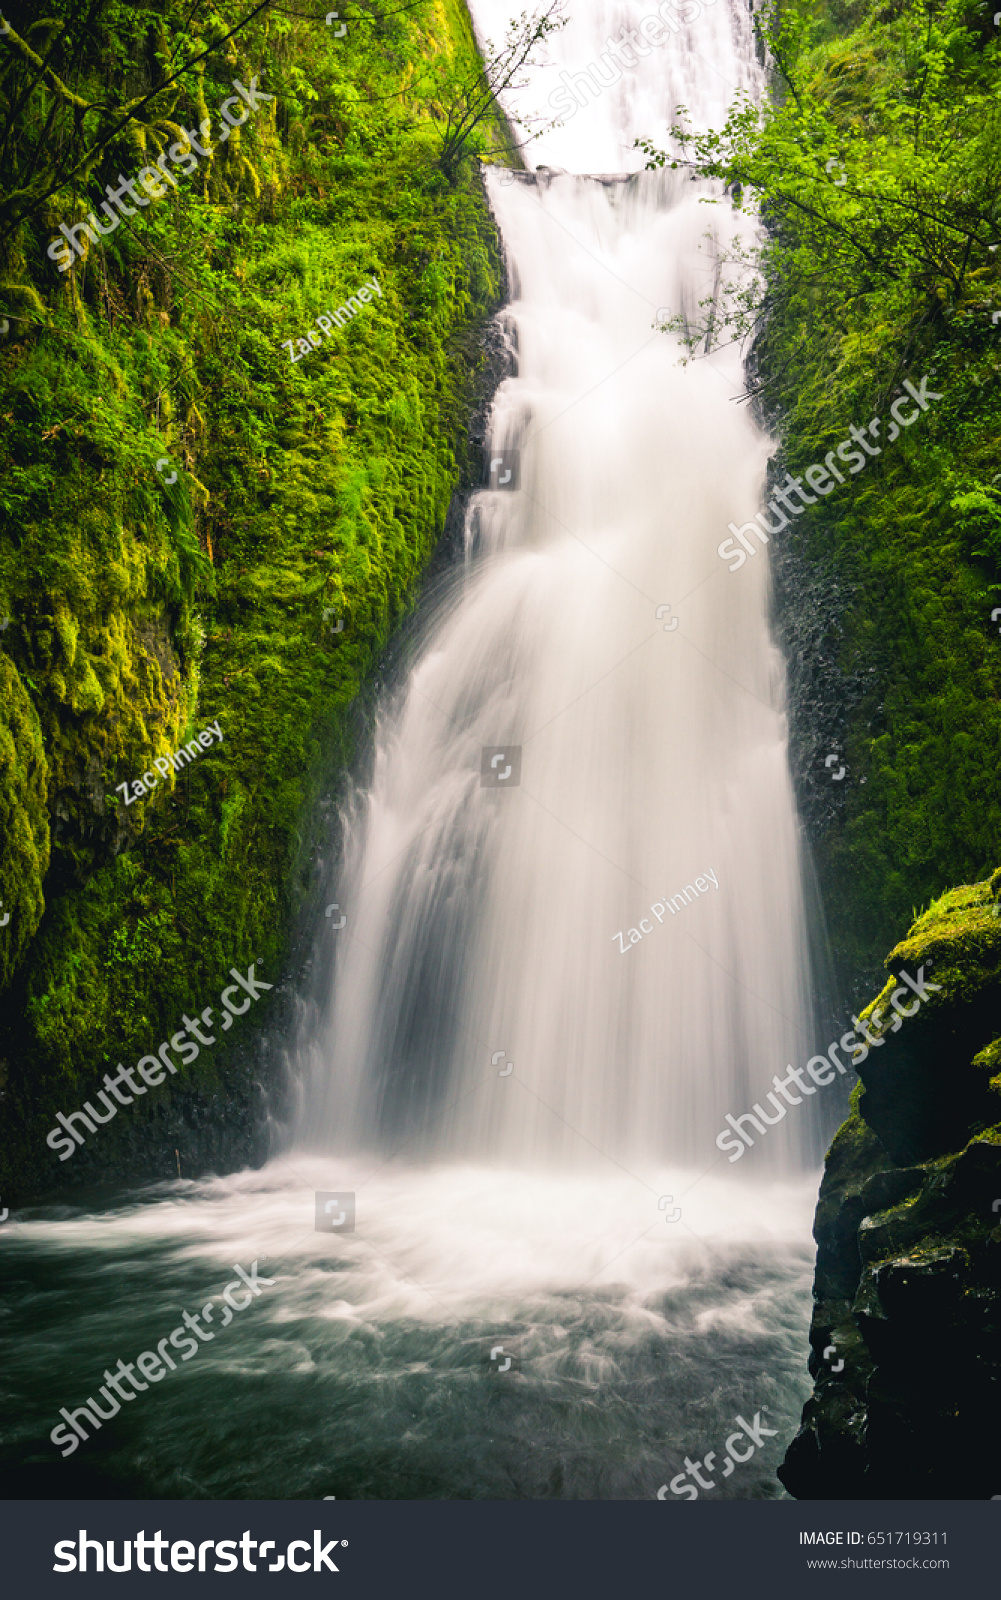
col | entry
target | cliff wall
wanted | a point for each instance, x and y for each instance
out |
(215, 510)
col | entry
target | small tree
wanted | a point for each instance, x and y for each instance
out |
(463, 98)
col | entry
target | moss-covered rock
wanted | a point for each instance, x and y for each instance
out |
(196, 529)
(24, 818)
(906, 1353)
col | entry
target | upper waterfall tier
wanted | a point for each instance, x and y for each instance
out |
(608, 82)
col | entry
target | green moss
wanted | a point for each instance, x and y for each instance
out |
(24, 820)
(306, 492)
(957, 943)
(960, 934)
(855, 1153)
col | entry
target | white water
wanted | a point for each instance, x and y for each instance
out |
(368, 1366)
(700, 68)
(482, 921)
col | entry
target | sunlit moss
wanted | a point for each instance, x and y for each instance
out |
(305, 492)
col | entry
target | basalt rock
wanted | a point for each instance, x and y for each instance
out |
(906, 1332)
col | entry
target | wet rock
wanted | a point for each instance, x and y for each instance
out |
(906, 1332)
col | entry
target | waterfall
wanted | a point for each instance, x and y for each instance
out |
(505, 988)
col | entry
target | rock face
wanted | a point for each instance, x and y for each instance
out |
(906, 1332)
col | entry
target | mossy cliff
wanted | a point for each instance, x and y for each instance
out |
(906, 1331)
(194, 527)
(888, 273)
(884, 590)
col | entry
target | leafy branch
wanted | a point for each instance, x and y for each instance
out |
(19, 204)
(462, 98)
(903, 201)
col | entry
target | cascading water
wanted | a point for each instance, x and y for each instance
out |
(557, 1285)
(597, 631)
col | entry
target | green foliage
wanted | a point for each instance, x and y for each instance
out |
(143, 610)
(24, 822)
(877, 167)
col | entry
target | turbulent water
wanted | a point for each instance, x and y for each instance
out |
(557, 1285)
(365, 1371)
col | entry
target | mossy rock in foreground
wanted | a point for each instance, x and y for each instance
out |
(906, 1332)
